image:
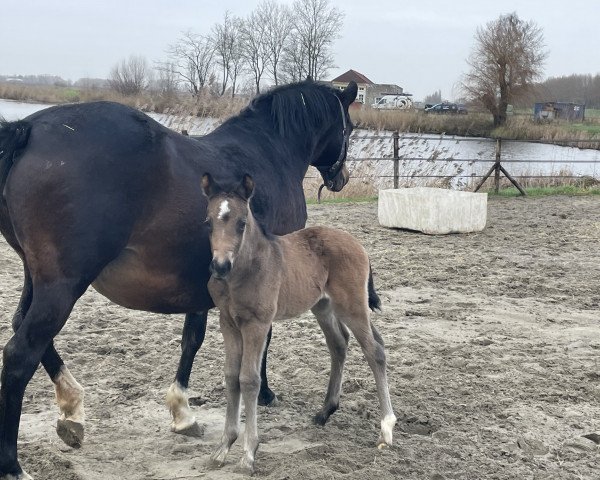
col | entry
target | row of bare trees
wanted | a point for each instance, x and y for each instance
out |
(276, 43)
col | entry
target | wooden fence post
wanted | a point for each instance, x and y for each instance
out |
(497, 165)
(497, 168)
(396, 137)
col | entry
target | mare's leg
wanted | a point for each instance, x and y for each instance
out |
(337, 336)
(254, 337)
(233, 357)
(184, 421)
(69, 394)
(356, 317)
(266, 396)
(50, 306)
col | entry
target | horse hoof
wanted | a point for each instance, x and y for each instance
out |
(217, 459)
(245, 467)
(267, 398)
(193, 430)
(70, 432)
(320, 419)
(19, 476)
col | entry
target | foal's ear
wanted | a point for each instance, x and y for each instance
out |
(309, 78)
(348, 95)
(247, 187)
(209, 187)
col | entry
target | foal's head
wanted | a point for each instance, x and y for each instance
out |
(228, 215)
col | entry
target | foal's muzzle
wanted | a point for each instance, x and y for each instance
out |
(220, 269)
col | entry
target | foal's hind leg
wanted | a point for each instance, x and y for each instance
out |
(184, 421)
(69, 394)
(49, 309)
(356, 317)
(336, 335)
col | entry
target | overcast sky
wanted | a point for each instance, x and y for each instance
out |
(418, 44)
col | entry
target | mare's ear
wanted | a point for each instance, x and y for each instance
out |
(348, 95)
(209, 187)
(246, 188)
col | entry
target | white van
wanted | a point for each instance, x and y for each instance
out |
(398, 102)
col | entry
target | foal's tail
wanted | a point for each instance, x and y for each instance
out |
(374, 301)
(13, 138)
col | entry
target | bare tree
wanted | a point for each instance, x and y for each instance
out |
(130, 76)
(225, 36)
(193, 60)
(317, 26)
(167, 80)
(278, 22)
(294, 65)
(254, 46)
(508, 56)
(237, 61)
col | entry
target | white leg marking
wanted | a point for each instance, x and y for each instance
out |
(387, 426)
(180, 409)
(69, 396)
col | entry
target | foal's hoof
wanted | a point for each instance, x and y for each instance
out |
(267, 398)
(70, 432)
(320, 419)
(217, 459)
(192, 430)
(19, 476)
(245, 467)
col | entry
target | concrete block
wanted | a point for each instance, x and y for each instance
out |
(433, 210)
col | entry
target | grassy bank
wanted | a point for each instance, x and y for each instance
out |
(204, 106)
(544, 191)
(478, 124)
(584, 134)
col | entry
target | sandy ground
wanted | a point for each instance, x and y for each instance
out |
(493, 342)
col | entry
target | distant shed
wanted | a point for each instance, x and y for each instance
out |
(559, 110)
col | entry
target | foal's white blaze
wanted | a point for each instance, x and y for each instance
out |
(223, 209)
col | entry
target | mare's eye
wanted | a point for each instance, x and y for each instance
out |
(208, 224)
(241, 225)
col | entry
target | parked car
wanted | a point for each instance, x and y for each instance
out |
(447, 108)
(394, 102)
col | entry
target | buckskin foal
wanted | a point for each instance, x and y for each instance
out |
(257, 278)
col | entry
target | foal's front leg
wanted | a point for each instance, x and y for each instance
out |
(254, 337)
(233, 358)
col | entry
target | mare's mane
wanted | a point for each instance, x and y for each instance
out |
(296, 108)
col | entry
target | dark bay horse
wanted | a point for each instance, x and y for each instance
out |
(100, 194)
(258, 277)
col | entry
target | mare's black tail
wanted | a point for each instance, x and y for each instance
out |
(13, 139)
(374, 301)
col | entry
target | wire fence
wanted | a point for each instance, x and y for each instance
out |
(499, 161)
(525, 160)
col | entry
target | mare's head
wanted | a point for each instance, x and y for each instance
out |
(228, 216)
(314, 116)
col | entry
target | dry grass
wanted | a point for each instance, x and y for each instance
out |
(560, 132)
(180, 104)
(414, 121)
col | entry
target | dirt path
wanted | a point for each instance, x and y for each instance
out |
(493, 342)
